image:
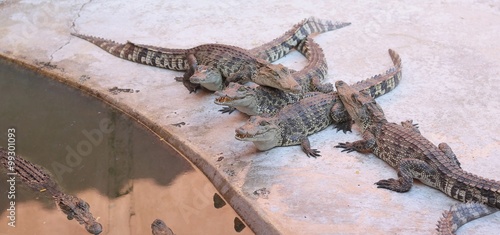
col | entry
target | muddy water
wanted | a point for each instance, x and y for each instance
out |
(127, 175)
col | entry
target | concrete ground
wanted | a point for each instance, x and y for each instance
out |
(450, 88)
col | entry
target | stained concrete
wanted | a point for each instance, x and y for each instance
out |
(450, 88)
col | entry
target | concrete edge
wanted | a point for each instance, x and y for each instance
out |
(243, 207)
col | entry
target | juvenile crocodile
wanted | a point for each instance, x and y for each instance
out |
(460, 214)
(292, 124)
(158, 227)
(39, 180)
(234, 63)
(267, 101)
(210, 77)
(411, 154)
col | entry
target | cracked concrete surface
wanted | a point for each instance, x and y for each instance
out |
(450, 88)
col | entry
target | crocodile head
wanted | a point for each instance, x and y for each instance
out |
(262, 131)
(208, 77)
(360, 105)
(239, 96)
(277, 76)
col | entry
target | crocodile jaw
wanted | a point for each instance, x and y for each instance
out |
(264, 137)
(234, 101)
(207, 77)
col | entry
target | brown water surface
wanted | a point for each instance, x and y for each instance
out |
(126, 173)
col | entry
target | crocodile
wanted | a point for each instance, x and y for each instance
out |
(292, 124)
(36, 178)
(267, 100)
(234, 63)
(460, 214)
(212, 79)
(158, 227)
(263, 100)
(411, 154)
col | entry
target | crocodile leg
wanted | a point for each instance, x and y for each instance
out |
(449, 153)
(341, 119)
(320, 86)
(408, 169)
(306, 147)
(409, 124)
(193, 63)
(366, 145)
(227, 109)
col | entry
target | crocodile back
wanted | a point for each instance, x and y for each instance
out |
(308, 116)
(395, 142)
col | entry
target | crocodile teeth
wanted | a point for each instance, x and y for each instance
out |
(242, 136)
(223, 99)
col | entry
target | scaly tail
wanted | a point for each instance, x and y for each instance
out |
(382, 83)
(173, 59)
(32, 175)
(281, 46)
(313, 74)
(461, 214)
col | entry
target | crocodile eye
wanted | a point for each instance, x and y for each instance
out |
(263, 123)
(242, 88)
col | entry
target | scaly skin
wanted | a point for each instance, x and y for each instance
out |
(461, 214)
(266, 101)
(291, 125)
(281, 46)
(414, 157)
(210, 78)
(158, 227)
(39, 180)
(234, 63)
(315, 111)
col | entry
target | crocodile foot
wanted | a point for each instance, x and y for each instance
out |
(227, 110)
(343, 126)
(394, 185)
(347, 147)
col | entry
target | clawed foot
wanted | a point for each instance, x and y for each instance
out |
(313, 153)
(343, 126)
(227, 110)
(191, 87)
(347, 147)
(391, 184)
(179, 79)
(409, 123)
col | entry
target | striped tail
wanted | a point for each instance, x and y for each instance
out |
(460, 214)
(32, 175)
(281, 46)
(382, 83)
(311, 77)
(173, 59)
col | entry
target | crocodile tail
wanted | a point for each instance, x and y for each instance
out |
(34, 176)
(382, 83)
(460, 214)
(173, 59)
(114, 48)
(316, 69)
(282, 45)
